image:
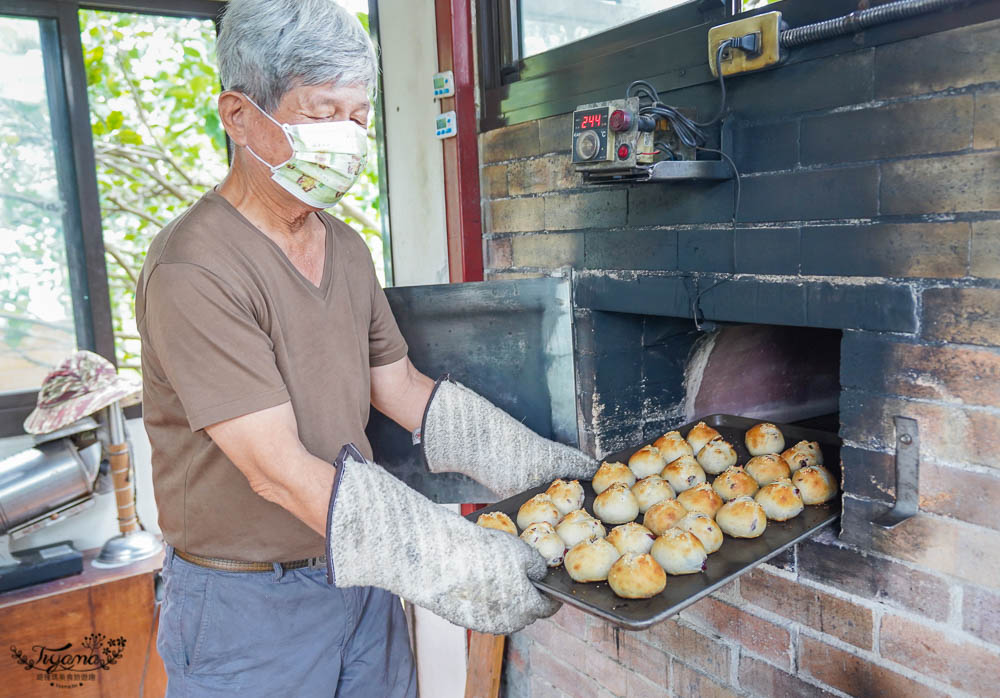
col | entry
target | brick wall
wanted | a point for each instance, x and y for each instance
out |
(871, 203)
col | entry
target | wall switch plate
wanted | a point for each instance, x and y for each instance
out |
(446, 125)
(767, 26)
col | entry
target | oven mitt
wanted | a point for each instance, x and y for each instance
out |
(465, 433)
(382, 533)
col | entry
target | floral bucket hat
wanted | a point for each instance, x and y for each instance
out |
(81, 385)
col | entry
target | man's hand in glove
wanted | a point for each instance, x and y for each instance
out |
(465, 433)
(382, 533)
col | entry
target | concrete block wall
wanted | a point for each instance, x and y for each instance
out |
(870, 203)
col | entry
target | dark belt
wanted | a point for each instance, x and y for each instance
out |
(216, 563)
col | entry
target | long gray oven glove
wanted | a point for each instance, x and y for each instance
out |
(465, 433)
(382, 533)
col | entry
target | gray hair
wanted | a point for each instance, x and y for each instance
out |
(267, 47)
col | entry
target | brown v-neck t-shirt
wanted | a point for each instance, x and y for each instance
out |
(229, 326)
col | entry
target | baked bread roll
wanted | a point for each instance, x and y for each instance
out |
(700, 435)
(735, 483)
(651, 490)
(610, 473)
(631, 538)
(567, 496)
(646, 461)
(578, 526)
(683, 473)
(660, 517)
(538, 508)
(803, 453)
(815, 483)
(542, 537)
(704, 529)
(672, 446)
(767, 468)
(780, 500)
(679, 552)
(497, 520)
(742, 518)
(717, 455)
(636, 576)
(764, 438)
(616, 505)
(591, 560)
(701, 498)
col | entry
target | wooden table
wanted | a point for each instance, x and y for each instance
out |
(55, 620)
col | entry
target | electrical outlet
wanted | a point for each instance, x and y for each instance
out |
(766, 26)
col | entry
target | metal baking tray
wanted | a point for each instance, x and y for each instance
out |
(735, 557)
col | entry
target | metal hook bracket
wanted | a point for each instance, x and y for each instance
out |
(907, 474)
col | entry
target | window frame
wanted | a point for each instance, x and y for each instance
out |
(600, 66)
(66, 84)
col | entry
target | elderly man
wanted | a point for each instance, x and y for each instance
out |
(266, 337)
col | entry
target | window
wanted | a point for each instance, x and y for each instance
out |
(546, 24)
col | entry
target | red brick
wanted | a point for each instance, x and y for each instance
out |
(498, 253)
(960, 550)
(759, 636)
(644, 659)
(583, 657)
(771, 682)
(689, 683)
(854, 675)
(948, 434)
(962, 315)
(960, 494)
(546, 667)
(690, 646)
(604, 636)
(981, 613)
(542, 689)
(826, 613)
(639, 687)
(875, 578)
(572, 620)
(932, 653)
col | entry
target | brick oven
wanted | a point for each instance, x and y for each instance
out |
(868, 237)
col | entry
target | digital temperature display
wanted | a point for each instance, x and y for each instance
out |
(592, 120)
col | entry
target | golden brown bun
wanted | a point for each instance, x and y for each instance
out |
(631, 538)
(780, 500)
(660, 517)
(764, 438)
(672, 446)
(742, 518)
(567, 496)
(610, 473)
(651, 490)
(815, 483)
(803, 453)
(591, 560)
(636, 577)
(542, 537)
(679, 552)
(701, 498)
(616, 505)
(683, 473)
(735, 483)
(704, 529)
(717, 455)
(646, 461)
(768, 468)
(700, 435)
(578, 526)
(538, 508)
(497, 520)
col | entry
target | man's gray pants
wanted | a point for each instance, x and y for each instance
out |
(280, 634)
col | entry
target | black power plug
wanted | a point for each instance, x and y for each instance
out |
(748, 43)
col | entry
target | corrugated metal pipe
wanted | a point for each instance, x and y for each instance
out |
(860, 20)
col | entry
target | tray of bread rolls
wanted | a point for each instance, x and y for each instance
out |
(663, 524)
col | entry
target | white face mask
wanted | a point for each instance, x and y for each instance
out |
(327, 159)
